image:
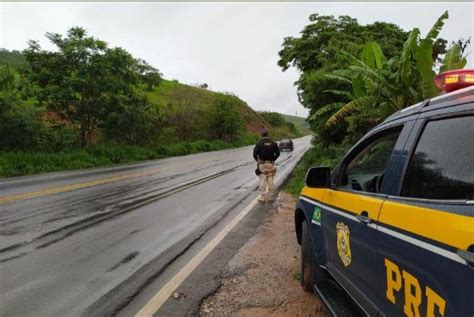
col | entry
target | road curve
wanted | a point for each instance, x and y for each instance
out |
(72, 239)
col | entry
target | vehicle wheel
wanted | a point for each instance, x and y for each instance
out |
(311, 273)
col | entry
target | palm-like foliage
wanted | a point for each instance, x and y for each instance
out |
(380, 87)
(371, 80)
(453, 59)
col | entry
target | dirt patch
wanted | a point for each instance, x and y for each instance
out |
(262, 278)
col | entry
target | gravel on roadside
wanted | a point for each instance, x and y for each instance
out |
(262, 278)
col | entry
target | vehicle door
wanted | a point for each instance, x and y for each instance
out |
(426, 232)
(349, 211)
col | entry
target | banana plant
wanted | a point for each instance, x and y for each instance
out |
(370, 81)
(390, 85)
(453, 59)
(424, 59)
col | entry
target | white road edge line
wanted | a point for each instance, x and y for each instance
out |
(165, 292)
(155, 303)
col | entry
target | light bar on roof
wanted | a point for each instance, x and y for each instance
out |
(455, 79)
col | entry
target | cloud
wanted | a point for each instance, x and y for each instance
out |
(230, 46)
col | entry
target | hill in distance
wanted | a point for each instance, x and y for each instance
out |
(172, 98)
(299, 122)
(182, 107)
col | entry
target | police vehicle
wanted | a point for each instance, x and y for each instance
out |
(392, 226)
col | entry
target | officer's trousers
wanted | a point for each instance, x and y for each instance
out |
(268, 171)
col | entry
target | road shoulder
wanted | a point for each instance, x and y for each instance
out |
(252, 272)
(262, 278)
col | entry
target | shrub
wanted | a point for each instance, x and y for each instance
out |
(217, 145)
(177, 149)
(246, 139)
(200, 146)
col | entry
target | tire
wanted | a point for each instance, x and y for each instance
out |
(311, 273)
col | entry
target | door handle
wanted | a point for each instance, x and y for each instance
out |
(364, 218)
(467, 255)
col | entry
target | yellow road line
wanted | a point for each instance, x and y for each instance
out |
(67, 188)
(165, 292)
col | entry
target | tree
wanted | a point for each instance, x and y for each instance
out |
(379, 87)
(20, 120)
(273, 118)
(186, 120)
(317, 52)
(292, 128)
(82, 80)
(12, 58)
(133, 122)
(379, 69)
(225, 120)
(148, 74)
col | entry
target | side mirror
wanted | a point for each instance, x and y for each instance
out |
(318, 177)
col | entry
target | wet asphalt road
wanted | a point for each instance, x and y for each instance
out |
(87, 242)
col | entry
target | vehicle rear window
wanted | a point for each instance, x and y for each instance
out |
(442, 166)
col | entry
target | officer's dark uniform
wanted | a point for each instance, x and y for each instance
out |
(266, 152)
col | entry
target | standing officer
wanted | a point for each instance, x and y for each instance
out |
(266, 153)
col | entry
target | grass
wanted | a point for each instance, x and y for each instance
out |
(172, 92)
(318, 155)
(297, 276)
(171, 96)
(20, 163)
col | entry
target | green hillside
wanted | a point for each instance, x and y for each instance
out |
(172, 97)
(177, 102)
(299, 122)
(142, 121)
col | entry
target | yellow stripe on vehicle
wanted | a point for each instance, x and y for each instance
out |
(314, 193)
(354, 202)
(448, 228)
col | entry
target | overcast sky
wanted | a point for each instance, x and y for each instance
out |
(230, 46)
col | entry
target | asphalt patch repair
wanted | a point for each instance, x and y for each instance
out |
(262, 277)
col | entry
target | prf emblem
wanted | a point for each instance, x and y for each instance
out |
(343, 243)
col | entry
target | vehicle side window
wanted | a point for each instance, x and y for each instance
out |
(442, 165)
(365, 171)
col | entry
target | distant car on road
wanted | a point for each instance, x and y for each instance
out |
(286, 144)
